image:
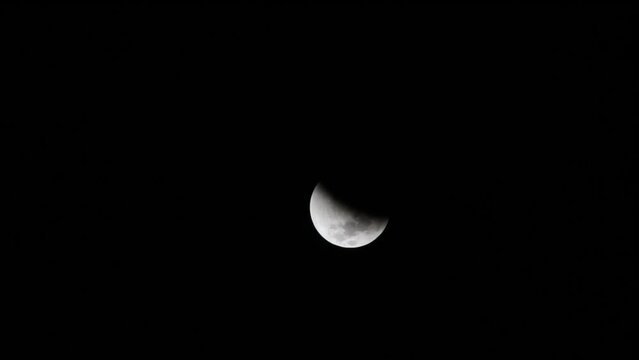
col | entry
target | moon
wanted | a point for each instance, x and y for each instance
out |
(343, 225)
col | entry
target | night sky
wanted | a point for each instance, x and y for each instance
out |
(161, 161)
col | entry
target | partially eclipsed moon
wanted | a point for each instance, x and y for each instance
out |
(343, 225)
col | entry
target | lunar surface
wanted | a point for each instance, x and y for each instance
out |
(343, 225)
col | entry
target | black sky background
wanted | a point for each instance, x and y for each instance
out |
(161, 160)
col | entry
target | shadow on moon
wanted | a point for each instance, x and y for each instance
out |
(340, 222)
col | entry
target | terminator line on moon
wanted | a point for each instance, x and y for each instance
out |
(342, 225)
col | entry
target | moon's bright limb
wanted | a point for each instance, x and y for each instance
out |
(342, 225)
